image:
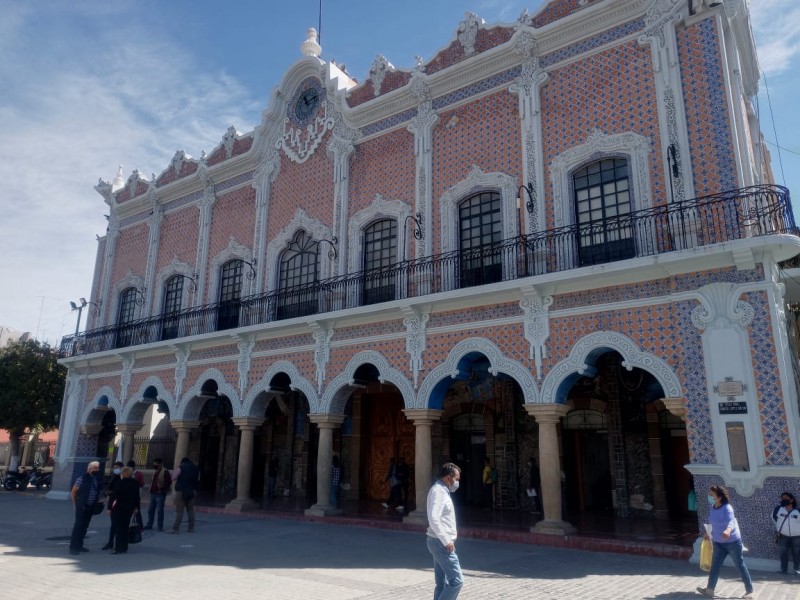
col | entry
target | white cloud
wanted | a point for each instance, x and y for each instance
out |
(776, 28)
(71, 110)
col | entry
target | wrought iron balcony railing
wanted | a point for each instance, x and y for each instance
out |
(736, 214)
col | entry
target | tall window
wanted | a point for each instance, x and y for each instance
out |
(230, 291)
(602, 212)
(173, 299)
(125, 315)
(380, 252)
(480, 226)
(297, 296)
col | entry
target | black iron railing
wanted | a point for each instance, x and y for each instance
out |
(737, 214)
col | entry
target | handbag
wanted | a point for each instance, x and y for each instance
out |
(135, 529)
(706, 554)
(98, 508)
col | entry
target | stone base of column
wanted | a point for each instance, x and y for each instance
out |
(57, 495)
(553, 528)
(322, 510)
(416, 517)
(241, 505)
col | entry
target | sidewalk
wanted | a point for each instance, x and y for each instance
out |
(240, 556)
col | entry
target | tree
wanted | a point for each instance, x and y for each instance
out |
(31, 389)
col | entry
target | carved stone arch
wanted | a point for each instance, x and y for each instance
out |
(190, 405)
(583, 355)
(235, 250)
(130, 281)
(498, 363)
(629, 145)
(477, 181)
(314, 227)
(298, 383)
(381, 208)
(90, 414)
(135, 409)
(175, 267)
(342, 386)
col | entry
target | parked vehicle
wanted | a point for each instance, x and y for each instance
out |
(40, 479)
(22, 479)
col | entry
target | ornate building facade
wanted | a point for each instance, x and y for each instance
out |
(557, 240)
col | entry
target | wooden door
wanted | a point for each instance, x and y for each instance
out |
(390, 435)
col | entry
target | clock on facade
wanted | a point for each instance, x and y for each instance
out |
(306, 103)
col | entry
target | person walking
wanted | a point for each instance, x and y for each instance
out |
(404, 475)
(727, 541)
(488, 484)
(442, 534)
(336, 480)
(115, 479)
(787, 525)
(85, 494)
(395, 487)
(186, 477)
(159, 488)
(124, 504)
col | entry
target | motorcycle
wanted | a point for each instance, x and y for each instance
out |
(14, 479)
(40, 479)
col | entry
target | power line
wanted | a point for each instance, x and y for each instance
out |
(774, 129)
(782, 148)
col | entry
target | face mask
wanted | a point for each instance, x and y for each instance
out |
(117, 471)
(453, 487)
(711, 500)
(156, 466)
(785, 502)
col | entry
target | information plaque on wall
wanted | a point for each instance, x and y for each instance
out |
(733, 408)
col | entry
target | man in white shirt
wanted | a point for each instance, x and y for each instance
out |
(442, 534)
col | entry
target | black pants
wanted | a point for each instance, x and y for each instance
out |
(120, 522)
(83, 516)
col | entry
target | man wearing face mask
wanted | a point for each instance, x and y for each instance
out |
(85, 494)
(110, 500)
(442, 534)
(159, 488)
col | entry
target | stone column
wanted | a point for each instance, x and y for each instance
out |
(127, 431)
(243, 501)
(326, 424)
(423, 419)
(677, 406)
(183, 429)
(547, 417)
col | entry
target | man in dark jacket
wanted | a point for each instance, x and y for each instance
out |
(85, 494)
(185, 478)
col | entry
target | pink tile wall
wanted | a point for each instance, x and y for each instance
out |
(131, 252)
(555, 10)
(179, 237)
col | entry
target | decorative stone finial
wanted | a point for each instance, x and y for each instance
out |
(119, 181)
(310, 47)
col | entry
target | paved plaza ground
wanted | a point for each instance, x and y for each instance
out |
(241, 556)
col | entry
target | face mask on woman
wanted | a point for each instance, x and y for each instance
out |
(117, 471)
(785, 502)
(711, 500)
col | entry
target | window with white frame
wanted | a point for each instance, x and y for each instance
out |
(380, 253)
(230, 292)
(298, 270)
(480, 232)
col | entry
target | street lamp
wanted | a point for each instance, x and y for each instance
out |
(79, 308)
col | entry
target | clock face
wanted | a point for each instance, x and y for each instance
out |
(306, 103)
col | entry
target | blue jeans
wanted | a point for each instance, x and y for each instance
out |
(721, 550)
(156, 503)
(790, 544)
(446, 571)
(334, 494)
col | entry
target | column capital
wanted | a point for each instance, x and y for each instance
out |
(184, 425)
(245, 423)
(128, 428)
(423, 416)
(326, 421)
(677, 406)
(547, 413)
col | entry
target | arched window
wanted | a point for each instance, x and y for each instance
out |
(173, 300)
(297, 295)
(480, 232)
(602, 212)
(230, 292)
(125, 315)
(380, 253)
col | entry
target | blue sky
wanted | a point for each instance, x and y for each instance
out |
(87, 85)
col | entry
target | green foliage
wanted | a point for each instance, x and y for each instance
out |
(31, 387)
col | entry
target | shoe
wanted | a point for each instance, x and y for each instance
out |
(707, 592)
(107, 547)
(748, 595)
(84, 549)
(401, 507)
(173, 531)
(147, 527)
(384, 505)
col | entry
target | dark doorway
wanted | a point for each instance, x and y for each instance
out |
(468, 450)
(588, 470)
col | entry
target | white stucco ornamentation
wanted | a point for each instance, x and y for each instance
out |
(322, 353)
(233, 251)
(720, 306)
(175, 267)
(341, 387)
(378, 71)
(468, 32)
(245, 345)
(422, 126)
(191, 411)
(576, 362)
(298, 382)
(415, 324)
(301, 220)
(181, 359)
(300, 144)
(135, 409)
(537, 326)
(380, 208)
(498, 363)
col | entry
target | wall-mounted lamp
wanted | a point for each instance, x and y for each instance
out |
(192, 281)
(140, 295)
(529, 191)
(333, 253)
(672, 169)
(418, 229)
(252, 264)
